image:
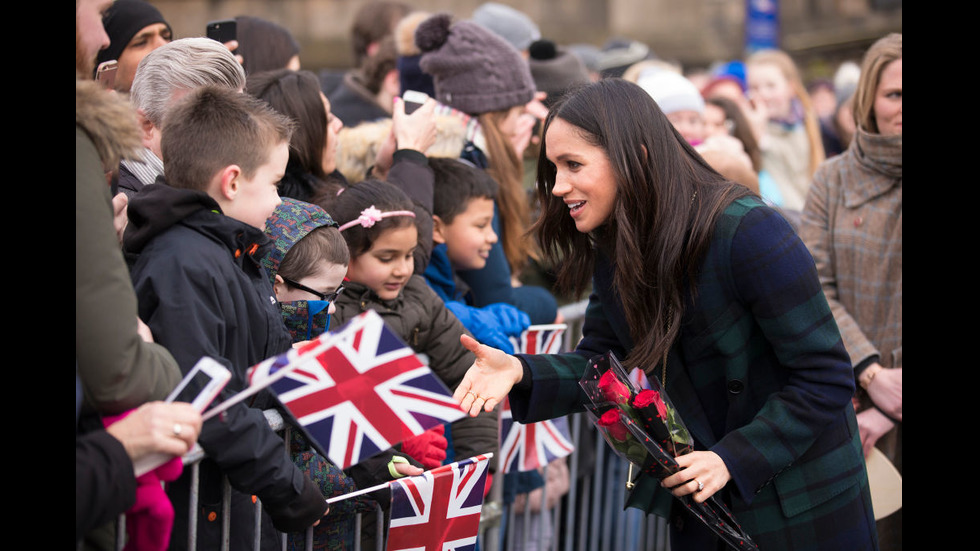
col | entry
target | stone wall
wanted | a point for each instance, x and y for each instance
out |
(691, 32)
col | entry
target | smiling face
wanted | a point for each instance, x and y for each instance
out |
(888, 100)
(768, 84)
(387, 265)
(469, 236)
(584, 178)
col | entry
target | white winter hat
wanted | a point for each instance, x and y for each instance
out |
(671, 90)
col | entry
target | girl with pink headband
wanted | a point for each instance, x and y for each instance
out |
(379, 223)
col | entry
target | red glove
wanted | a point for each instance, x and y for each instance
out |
(428, 448)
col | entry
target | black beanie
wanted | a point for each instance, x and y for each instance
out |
(122, 21)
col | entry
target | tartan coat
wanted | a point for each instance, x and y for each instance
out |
(759, 375)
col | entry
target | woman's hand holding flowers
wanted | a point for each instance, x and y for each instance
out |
(705, 467)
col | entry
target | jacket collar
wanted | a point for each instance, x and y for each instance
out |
(157, 208)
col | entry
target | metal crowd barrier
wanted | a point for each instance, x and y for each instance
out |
(589, 517)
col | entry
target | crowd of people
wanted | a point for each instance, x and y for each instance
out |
(736, 238)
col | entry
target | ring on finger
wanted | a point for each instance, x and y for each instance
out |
(177, 429)
(700, 485)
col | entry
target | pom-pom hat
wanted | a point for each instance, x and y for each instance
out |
(473, 69)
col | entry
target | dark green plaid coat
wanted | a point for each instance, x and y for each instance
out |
(760, 377)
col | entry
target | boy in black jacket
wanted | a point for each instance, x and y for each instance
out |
(203, 292)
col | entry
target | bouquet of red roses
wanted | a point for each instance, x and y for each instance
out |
(644, 428)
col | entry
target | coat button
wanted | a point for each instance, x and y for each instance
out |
(735, 386)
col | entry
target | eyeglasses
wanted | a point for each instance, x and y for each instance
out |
(328, 297)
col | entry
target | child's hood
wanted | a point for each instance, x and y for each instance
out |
(291, 221)
(158, 207)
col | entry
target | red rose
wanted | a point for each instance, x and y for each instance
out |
(646, 397)
(614, 426)
(613, 389)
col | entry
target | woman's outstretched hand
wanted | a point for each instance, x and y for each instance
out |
(488, 380)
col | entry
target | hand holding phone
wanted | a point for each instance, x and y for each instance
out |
(413, 100)
(106, 74)
(199, 388)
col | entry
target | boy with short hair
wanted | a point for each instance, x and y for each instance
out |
(203, 292)
(462, 212)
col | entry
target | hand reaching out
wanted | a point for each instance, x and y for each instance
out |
(489, 379)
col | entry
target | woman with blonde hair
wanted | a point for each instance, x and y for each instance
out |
(788, 127)
(852, 224)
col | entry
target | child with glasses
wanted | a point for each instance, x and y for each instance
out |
(307, 266)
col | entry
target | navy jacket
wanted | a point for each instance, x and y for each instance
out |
(759, 375)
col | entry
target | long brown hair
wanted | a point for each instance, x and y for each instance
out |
(668, 199)
(508, 170)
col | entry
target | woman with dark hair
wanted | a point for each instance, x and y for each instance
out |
(852, 224)
(265, 46)
(311, 173)
(699, 283)
(313, 148)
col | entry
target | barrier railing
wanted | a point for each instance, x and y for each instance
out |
(589, 517)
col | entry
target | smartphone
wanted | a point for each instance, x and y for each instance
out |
(224, 30)
(200, 387)
(106, 74)
(413, 100)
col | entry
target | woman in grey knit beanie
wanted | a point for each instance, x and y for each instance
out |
(488, 83)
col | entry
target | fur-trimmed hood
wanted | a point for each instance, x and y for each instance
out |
(108, 119)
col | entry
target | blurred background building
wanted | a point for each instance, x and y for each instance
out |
(819, 34)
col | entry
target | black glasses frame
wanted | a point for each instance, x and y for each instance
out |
(328, 297)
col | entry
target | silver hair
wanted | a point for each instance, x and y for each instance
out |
(182, 65)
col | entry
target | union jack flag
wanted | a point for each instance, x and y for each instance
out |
(540, 339)
(639, 378)
(439, 510)
(528, 447)
(358, 391)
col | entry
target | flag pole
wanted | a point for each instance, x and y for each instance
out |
(254, 388)
(384, 484)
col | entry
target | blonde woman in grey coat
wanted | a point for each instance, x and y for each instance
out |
(852, 224)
